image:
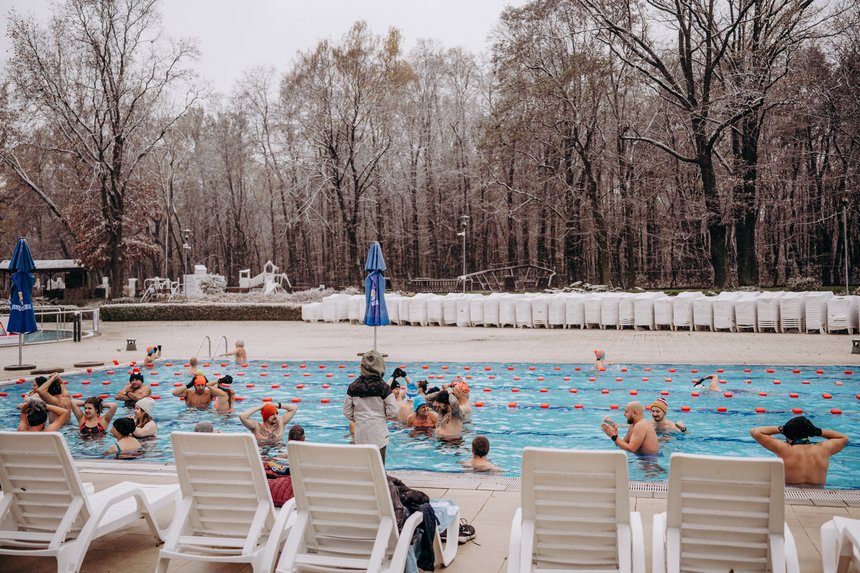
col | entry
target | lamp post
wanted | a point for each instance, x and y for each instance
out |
(845, 234)
(464, 221)
(186, 252)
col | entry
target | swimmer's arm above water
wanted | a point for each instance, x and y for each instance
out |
(764, 436)
(835, 441)
(633, 445)
(291, 410)
(245, 418)
(43, 390)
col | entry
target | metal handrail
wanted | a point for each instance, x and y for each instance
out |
(217, 346)
(205, 339)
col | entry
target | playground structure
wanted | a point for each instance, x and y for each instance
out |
(270, 281)
(160, 288)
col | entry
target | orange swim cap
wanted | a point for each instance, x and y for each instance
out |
(200, 380)
(268, 411)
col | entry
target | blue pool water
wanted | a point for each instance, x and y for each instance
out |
(562, 424)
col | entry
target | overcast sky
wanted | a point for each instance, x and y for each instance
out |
(234, 35)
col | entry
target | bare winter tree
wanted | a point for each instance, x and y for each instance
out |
(100, 78)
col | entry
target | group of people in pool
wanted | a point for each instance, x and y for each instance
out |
(371, 402)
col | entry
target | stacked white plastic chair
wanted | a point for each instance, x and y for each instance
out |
(703, 313)
(312, 312)
(491, 309)
(449, 309)
(392, 304)
(842, 314)
(556, 310)
(418, 308)
(523, 311)
(574, 312)
(815, 313)
(335, 307)
(767, 311)
(643, 309)
(792, 309)
(663, 312)
(746, 312)
(355, 312)
(682, 310)
(724, 310)
(434, 311)
(626, 311)
(540, 311)
(840, 545)
(476, 309)
(403, 306)
(508, 311)
(592, 310)
(464, 310)
(609, 304)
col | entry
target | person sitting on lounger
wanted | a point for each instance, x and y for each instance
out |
(805, 462)
(272, 429)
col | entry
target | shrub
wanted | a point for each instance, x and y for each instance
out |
(192, 311)
(799, 284)
(213, 284)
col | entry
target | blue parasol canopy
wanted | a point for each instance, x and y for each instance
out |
(22, 319)
(375, 313)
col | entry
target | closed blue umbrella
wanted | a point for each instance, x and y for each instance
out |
(375, 313)
(22, 318)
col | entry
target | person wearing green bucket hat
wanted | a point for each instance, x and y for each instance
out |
(370, 403)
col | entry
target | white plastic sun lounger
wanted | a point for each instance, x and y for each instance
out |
(46, 511)
(226, 514)
(575, 514)
(724, 513)
(344, 516)
(840, 545)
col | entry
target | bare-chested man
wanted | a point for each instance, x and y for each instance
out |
(805, 462)
(273, 427)
(659, 409)
(450, 422)
(135, 389)
(197, 394)
(641, 437)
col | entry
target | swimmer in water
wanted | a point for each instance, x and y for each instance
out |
(197, 393)
(714, 386)
(422, 417)
(273, 427)
(153, 353)
(599, 360)
(479, 461)
(125, 443)
(659, 409)
(641, 437)
(805, 462)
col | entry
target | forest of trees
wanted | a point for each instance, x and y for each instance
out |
(648, 143)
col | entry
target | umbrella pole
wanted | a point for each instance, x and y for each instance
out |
(20, 349)
(374, 339)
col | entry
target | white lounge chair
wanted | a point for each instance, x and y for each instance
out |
(724, 513)
(575, 514)
(46, 511)
(840, 545)
(226, 514)
(344, 516)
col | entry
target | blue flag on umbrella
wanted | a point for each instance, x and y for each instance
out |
(22, 319)
(375, 313)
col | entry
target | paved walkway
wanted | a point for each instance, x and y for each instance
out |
(319, 341)
(490, 510)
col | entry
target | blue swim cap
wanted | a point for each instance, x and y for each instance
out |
(411, 390)
(418, 402)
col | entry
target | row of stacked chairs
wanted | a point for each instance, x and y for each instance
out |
(820, 312)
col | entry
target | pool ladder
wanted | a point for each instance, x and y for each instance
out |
(208, 340)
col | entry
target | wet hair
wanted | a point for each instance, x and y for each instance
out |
(125, 426)
(39, 380)
(799, 429)
(37, 414)
(204, 427)
(296, 433)
(193, 361)
(240, 343)
(96, 402)
(480, 446)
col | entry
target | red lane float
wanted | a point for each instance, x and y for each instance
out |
(760, 410)
(512, 404)
(836, 411)
(544, 406)
(488, 368)
(579, 406)
(849, 372)
(479, 404)
(510, 367)
(819, 371)
(604, 391)
(544, 390)
(324, 401)
(566, 378)
(722, 409)
(264, 373)
(720, 370)
(540, 378)
(592, 379)
(515, 389)
(237, 398)
(488, 389)
(574, 391)
(727, 394)
(664, 392)
(267, 399)
(275, 386)
(466, 367)
(826, 396)
(685, 408)
(797, 410)
(613, 406)
(300, 386)
(762, 393)
(249, 385)
(644, 378)
(516, 377)
(794, 395)
(87, 382)
(296, 400)
(326, 386)
(672, 370)
(634, 392)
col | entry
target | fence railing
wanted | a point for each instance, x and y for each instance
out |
(59, 317)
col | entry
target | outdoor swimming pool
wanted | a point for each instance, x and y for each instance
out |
(550, 405)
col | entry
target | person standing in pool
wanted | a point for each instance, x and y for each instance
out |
(135, 389)
(805, 462)
(200, 396)
(153, 353)
(600, 360)
(125, 443)
(422, 417)
(222, 392)
(53, 392)
(370, 404)
(239, 352)
(34, 417)
(144, 425)
(95, 416)
(273, 427)
(659, 409)
(641, 437)
(450, 423)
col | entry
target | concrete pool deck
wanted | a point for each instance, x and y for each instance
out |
(488, 505)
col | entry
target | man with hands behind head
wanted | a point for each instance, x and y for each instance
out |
(805, 462)
(273, 427)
